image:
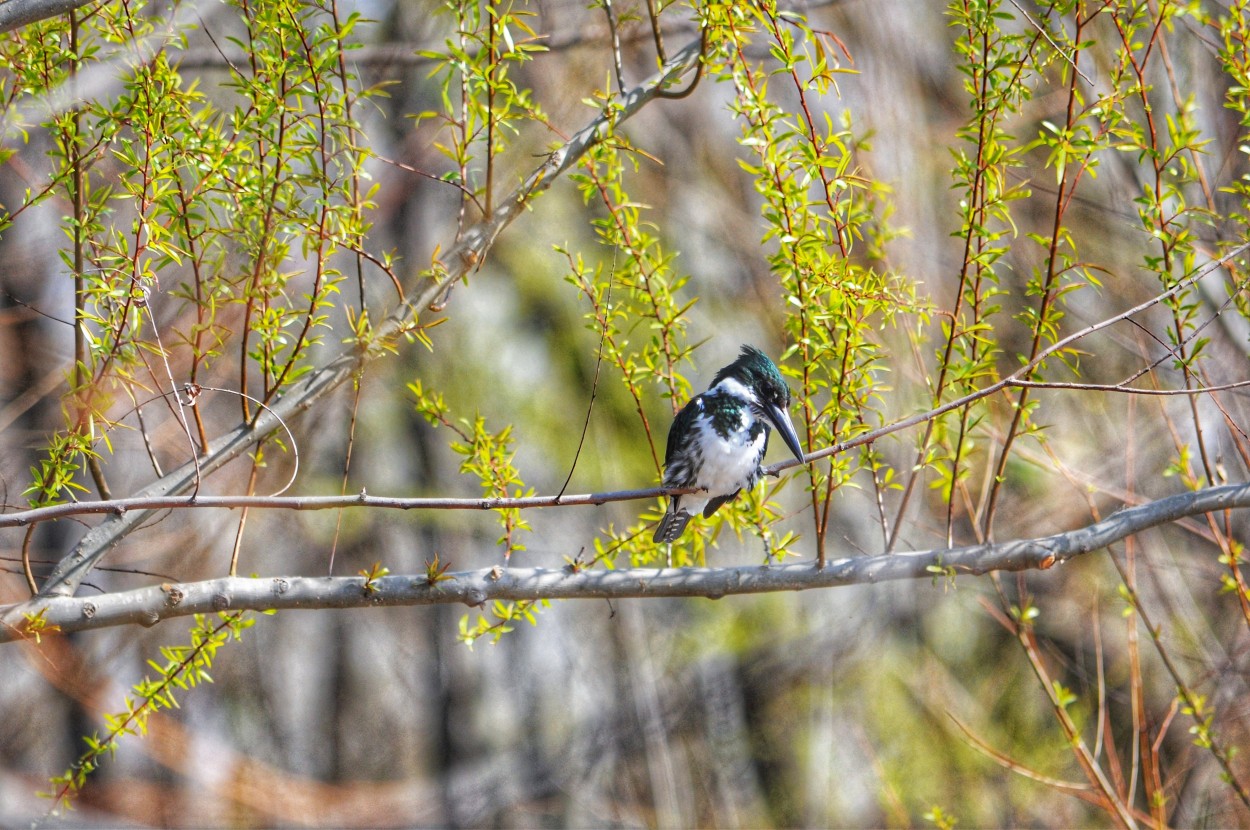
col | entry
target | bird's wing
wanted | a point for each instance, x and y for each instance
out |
(682, 426)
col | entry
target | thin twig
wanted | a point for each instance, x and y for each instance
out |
(347, 468)
(1126, 390)
(616, 46)
(656, 34)
(125, 506)
(173, 389)
(1071, 62)
(594, 386)
(26, 567)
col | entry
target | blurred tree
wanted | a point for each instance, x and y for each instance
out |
(310, 248)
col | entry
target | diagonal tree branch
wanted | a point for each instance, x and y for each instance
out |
(148, 606)
(460, 260)
(15, 14)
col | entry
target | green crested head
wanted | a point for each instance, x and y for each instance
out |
(754, 370)
(761, 378)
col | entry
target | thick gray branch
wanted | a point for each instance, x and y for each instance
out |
(17, 13)
(148, 606)
(463, 257)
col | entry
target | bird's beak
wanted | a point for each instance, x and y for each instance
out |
(781, 420)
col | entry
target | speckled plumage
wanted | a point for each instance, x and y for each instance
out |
(719, 438)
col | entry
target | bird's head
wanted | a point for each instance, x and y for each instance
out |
(754, 370)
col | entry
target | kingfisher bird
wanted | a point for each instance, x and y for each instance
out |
(719, 438)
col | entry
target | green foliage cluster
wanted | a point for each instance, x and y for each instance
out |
(825, 223)
(185, 667)
(483, 107)
(488, 457)
(211, 195)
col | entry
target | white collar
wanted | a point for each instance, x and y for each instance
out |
(735, 388)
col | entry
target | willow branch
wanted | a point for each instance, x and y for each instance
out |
(148, 606)
(460, 260)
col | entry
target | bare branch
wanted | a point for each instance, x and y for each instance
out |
(460, 260)
(148, 606)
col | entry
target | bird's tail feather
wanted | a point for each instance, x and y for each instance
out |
(671, 526)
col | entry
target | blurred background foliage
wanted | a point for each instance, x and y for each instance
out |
(903, 202)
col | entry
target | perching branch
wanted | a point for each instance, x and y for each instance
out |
(148, 606)
(459, 261)
(123, 506)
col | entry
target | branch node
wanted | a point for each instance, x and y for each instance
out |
(88, 610)
(280, 586)
(220, 602)
(173, 594)
(149, 618)
(474, 597)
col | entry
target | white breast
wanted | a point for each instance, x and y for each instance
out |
(728, 462)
